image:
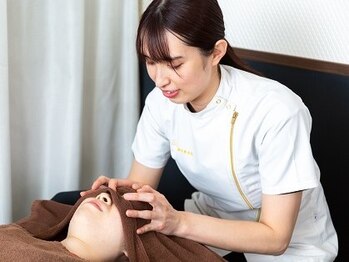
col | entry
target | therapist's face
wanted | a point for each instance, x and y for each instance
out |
(191, 78)
(97, 222)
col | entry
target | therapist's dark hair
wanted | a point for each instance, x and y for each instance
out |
(198, 23)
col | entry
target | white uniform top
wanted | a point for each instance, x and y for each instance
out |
(252, 138)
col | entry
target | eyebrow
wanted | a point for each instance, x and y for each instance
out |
(176, 57)
(172, 58)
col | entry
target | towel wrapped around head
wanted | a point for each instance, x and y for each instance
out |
(49, 222)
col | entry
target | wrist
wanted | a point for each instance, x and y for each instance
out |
(182, 224)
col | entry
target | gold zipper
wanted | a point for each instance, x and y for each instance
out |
(233, 119)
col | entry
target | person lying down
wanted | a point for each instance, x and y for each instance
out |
(96, 228)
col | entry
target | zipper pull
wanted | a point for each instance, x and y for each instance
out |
(233, 118)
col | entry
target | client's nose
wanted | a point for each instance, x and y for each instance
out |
(105, 197)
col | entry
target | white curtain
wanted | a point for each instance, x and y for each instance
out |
(69, 96)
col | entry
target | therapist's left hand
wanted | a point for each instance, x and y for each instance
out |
(164, 218)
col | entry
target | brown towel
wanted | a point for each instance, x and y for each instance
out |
(49, 221)
(16, 244)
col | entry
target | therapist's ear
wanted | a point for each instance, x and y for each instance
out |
(220, 49)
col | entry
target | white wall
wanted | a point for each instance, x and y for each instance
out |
(315, 29)
(145, 3)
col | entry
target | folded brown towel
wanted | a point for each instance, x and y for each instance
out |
(49, 221)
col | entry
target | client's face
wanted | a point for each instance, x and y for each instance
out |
(97, 222)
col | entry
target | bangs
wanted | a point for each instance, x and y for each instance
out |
(152, 43)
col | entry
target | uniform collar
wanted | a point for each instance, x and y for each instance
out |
(220, 99)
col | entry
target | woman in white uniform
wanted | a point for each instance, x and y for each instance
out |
(242, 140)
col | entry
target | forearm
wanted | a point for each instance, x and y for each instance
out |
(239, 236)
(271, 235)
(145, 175)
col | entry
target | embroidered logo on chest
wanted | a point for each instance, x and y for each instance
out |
(182, 150)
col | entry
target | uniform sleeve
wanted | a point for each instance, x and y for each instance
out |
(151, 147)
(286, 159)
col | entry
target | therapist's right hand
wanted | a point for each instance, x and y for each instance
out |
(113, 183)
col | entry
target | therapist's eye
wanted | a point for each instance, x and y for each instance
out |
(174, 66)
(150, 62)
(177, 66)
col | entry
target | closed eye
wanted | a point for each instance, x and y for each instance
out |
(150, 62)
(177, 66)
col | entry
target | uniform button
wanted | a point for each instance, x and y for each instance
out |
(218, 101)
